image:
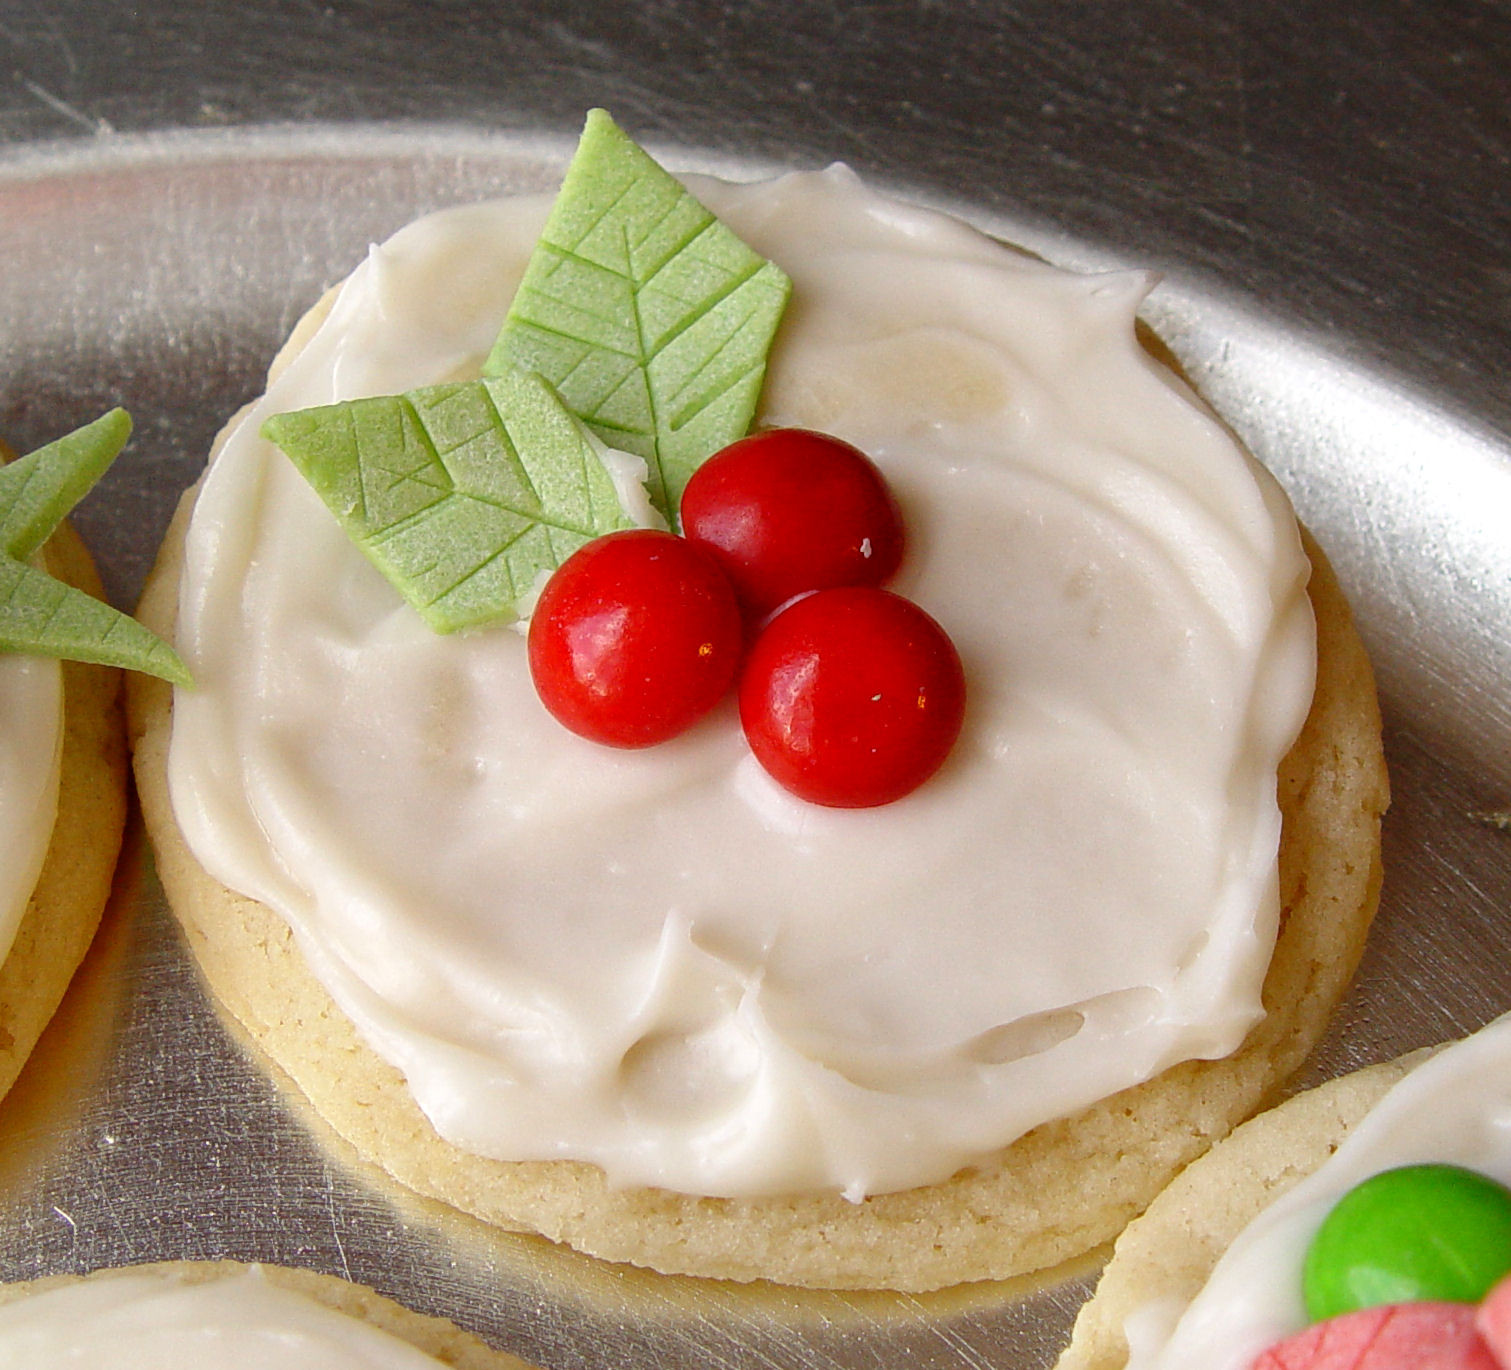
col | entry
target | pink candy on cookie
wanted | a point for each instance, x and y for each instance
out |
(1493, 1321)
(1404, 1336)
(1397, 1336)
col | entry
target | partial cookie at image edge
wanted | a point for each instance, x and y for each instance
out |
(437, 1337)
(75, 882)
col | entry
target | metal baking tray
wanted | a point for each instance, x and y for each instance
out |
(161, 271)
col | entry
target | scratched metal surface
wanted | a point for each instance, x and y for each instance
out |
(1325, 186)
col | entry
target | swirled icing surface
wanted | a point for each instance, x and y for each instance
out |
(658, 961)
(31, 739)
(1455, 1108)
(155, 1320)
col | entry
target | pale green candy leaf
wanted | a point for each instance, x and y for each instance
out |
(40, 615)
(37, 491)
(462, 495)
(649, 316)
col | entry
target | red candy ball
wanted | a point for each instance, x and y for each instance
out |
(634, 638)
(789, 511)
(852, 697)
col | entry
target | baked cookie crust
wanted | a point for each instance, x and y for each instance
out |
(72, 890)
(1057, 1192)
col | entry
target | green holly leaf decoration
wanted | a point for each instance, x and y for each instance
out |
(642, 323)
(648, 315)
(40, 615)
(462, 495)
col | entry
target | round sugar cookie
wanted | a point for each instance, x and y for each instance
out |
(1054, 1194)
(1168, 1252)
(71, 891)
(283, 1300)
(1222, 1269)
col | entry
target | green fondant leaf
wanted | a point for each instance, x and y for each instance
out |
(462, 495)
(647, 314)
(43, 616)
(37, 491)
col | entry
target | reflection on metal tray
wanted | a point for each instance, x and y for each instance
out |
(163, 274)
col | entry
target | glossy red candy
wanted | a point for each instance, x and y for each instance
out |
(788, 511)
(634, 638)
(852, 697)
(1392, 1336)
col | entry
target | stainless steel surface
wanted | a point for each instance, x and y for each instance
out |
(1326, 188)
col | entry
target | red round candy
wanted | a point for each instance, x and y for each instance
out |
(634, 638)
(852, 697)
(790, 511)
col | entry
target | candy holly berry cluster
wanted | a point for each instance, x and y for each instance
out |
(644, 322)
(1410, 1271)
(849, 695)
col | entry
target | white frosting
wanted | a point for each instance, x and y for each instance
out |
(659, 961)
(154, 1320)
(1455, 1108)
(31, 743)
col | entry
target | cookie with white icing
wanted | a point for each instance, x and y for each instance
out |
(181, 1315)
(64, 907)
(988, 1211)
(1211, 1274)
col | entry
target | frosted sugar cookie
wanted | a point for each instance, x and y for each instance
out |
(183, 1315)
(647, 1002)
(62, 743)
(1212, 1274)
